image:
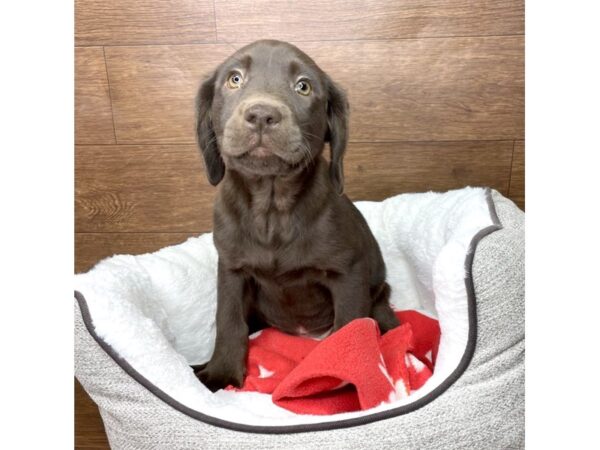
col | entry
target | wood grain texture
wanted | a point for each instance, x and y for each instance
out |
(141, 188)
(153, 89)
(92, 247)
(517, 179)
(429, 89)
(93, 112)
(132, 22)
(410, 90)
(375, 171)
(89, 429)
(163, 188)
(370, 19)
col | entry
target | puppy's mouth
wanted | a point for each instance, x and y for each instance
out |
(265, 156)
(259, 145)
(264, 160)
(260, 151)
(264, 153)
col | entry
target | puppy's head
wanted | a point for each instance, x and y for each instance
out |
(268, 110)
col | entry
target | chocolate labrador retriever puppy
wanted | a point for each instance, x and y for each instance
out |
(294, 252)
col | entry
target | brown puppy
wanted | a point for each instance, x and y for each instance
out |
(294, 252)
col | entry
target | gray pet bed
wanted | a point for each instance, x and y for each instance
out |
(140, 320)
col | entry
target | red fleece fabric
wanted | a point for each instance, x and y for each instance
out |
(353, 369)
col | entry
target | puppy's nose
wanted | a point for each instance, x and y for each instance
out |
(262, 116)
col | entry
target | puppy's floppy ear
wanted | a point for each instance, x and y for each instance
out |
(207, 140)
(337, 132)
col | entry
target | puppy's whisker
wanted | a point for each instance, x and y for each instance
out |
(309, 160)
(304, 150)
(307, 144)
(210, 141)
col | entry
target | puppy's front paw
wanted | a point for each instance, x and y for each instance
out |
(217, 376)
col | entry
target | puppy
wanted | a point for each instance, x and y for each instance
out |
(294, 252)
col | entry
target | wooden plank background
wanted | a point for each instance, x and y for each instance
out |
(436, 90)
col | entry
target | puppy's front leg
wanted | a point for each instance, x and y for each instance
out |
(228, 362)
(351, 297)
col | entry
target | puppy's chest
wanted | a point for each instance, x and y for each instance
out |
(277, 258)
(270, 220)
(271, 228)
(272, 261)
(270, 241)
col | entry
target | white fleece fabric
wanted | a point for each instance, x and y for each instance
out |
(157, 310)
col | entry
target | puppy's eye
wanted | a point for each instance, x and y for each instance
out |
(235, 80)
(303, 87)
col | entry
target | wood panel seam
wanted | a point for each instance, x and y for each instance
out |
(351, 141)
(512, 162)
(215, 22)
(141, 232)
(183, 44)
(112, 111)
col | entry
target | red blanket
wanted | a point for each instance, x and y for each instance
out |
(353, 369)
